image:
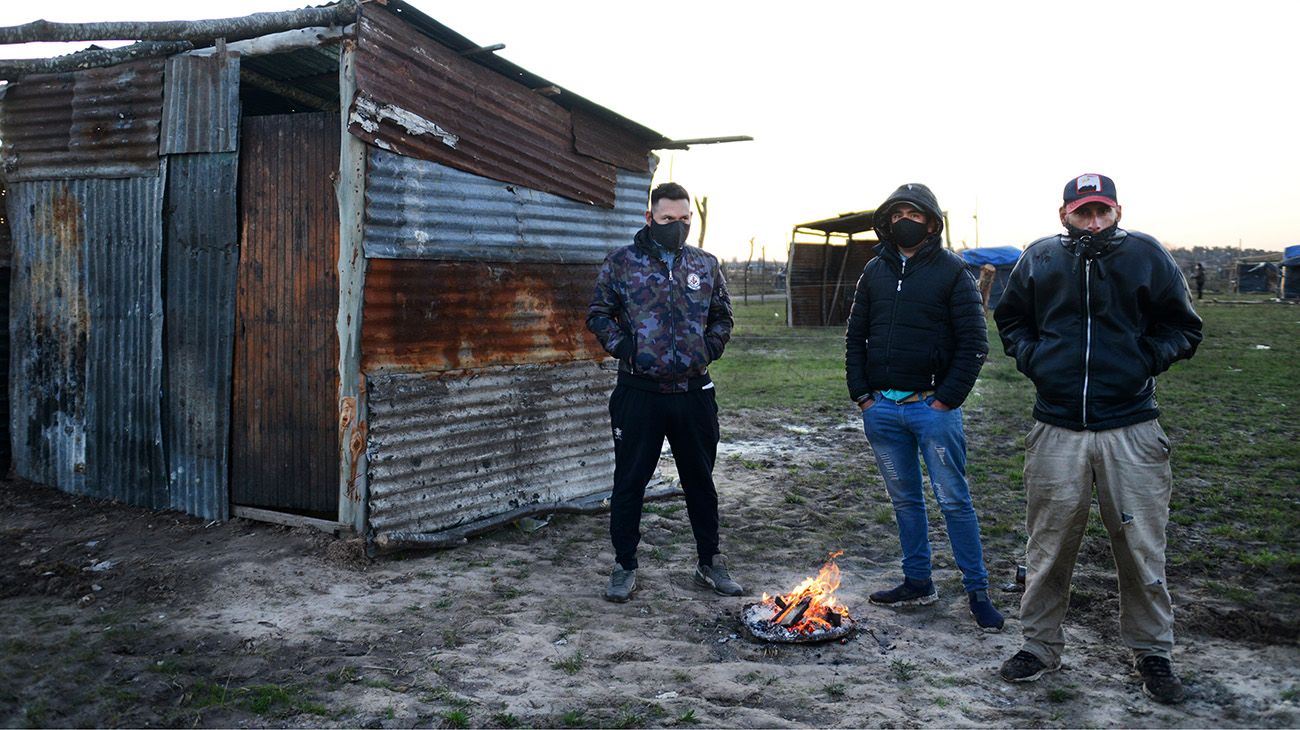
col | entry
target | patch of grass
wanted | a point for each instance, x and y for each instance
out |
(834, 691)
(1057, 695)
(571, 664)
(455, 718)
(902, 670)
(505, 719)
(687, 718)
(883, 515)
(343, 675)
(663, 508)
(573, 718)
(263, 700)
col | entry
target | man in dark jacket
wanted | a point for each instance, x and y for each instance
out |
(1092, 317)
(662, 309)
(915, 343)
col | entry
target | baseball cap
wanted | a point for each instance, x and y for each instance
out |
(1088, 188)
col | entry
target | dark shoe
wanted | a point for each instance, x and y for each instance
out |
(986, 615)
(1159, 681)
(622, 584)
(908, 593)
(1025, 667)
(715, 576)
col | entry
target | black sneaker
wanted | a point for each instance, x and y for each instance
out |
(1159, 681)
(622, 584)
(986, 614)
(1025, 667)
(717, 577)
(908, 593)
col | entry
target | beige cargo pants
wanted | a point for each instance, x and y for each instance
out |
(1130, 468)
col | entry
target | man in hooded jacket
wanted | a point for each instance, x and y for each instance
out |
(916, 341)
(661, 307)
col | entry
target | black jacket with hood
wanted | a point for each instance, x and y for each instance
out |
(916, 324)
(1092, 327)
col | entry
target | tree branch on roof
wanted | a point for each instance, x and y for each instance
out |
(232, 29)
(90, 58)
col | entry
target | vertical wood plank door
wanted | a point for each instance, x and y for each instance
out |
(284, 431)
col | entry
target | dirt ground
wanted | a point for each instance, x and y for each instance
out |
(116, 616)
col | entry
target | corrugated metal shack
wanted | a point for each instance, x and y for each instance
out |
(336, 273)
(822, 274)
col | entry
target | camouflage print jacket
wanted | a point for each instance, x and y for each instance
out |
(665, 327)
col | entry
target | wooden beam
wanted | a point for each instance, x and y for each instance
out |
(266, 83)
(232, 29)
(681, 144)
(90, 58)
(285, 518)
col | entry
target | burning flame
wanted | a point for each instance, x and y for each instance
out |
(818, 591)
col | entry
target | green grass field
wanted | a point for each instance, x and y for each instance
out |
(1232, 412)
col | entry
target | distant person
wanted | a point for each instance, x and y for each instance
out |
(1092, 316)
(1199, 278)
(916, 341)
(661, 307)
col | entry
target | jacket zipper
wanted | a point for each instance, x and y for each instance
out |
(672, 311)
(1087, 347)
(893, 318)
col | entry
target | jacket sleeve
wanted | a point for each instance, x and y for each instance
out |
(971, 334)
(603, 315)
(855, 341)
(1175, 329)
(1014, 315)
(717, 332)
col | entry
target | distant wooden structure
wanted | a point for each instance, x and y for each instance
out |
(825, 260)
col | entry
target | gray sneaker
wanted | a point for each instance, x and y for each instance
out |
(622, 584)
(716, 577)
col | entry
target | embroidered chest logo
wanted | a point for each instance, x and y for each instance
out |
(693, 282)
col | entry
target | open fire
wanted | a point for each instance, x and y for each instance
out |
(809, 613)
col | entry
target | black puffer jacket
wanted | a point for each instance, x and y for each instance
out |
(915, 325)
(1092, 331)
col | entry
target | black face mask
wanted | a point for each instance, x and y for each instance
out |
(907, 233)
(671, 236)
(1091, 245)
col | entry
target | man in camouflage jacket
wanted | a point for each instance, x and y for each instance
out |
(662, 309)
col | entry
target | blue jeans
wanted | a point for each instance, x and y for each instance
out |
(897, 432)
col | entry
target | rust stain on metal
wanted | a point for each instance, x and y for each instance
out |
(504, 130)
(425, 316)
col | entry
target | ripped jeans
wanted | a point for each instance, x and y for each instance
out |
(901, 435)
(1130, 468)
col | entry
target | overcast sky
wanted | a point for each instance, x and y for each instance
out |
(1190, 106)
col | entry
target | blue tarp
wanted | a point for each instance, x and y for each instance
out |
(1292, 256)
(996, 255)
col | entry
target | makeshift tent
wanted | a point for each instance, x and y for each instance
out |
(1291, 273)
(1001, 258)
(1256, 276)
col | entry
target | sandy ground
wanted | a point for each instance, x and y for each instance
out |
(116, 616)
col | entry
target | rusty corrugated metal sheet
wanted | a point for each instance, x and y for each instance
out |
(595, 137)
(822, 278)
(48, 322)
(421, 209)
(124, 456)
(410, 87)
(87, 326)
(284, 439)
(94, 123)
(201, 104)
(202, 251)
(425, 316)
(520, 435)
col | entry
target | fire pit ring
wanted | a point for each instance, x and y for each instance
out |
(758, 619)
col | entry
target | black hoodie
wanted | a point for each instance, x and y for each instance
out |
(915, 325)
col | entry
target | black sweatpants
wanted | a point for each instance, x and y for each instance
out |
(640, 420)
